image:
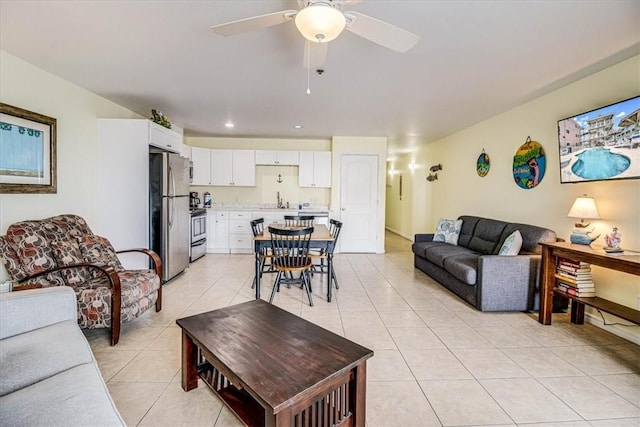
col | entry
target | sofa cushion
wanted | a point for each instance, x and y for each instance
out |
(447, 230)
(463, 267)
(67, 252)
(11, 260)
(139, 293)
(512, 244)
(75, 397)
(486, 235)
(98, 250)
(34, 356)
(466, 232)
(419, 248)
(438, 255)
(531, 235)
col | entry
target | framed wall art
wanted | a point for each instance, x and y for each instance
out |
(529, 164)
(27, 151)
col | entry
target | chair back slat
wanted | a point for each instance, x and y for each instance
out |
(291, 247)
(257, 226)
(298, 220)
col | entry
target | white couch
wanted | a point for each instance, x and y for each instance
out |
(48, 375)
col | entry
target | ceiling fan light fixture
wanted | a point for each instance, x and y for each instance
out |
(320, 22)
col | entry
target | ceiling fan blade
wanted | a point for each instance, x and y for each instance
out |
(318, 52)
(254, 23)
(380, 32)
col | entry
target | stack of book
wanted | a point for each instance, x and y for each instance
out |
(574, 278)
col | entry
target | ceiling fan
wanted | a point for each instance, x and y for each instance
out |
(321, 21)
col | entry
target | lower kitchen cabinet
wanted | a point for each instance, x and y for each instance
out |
(240, 234)
(218, 232)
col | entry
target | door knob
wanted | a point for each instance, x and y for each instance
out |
(343, 209)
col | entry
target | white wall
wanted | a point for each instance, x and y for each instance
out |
(459, 190)
(76, 110)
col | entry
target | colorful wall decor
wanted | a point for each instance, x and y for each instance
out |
(483, 164)
(529, 164)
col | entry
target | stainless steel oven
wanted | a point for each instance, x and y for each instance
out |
(198, 247)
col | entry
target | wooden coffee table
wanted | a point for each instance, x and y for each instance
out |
(273, 368)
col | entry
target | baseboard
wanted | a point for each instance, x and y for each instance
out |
(394, 231)
(621, 331)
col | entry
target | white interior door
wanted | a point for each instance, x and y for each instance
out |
(358, 203)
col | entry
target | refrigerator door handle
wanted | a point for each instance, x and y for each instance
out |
(173, 181)
(172, 212)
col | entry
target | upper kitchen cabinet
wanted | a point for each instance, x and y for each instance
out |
(315, 169)
(167, 139)
(277, 158)
(201, 158)
(223, 167)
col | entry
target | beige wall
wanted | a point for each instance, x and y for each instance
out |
(267, 185)
(76, 110)
(459, 190)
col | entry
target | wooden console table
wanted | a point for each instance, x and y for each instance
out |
(620, 262)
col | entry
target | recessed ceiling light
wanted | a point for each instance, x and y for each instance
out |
(297, 126)
(229, 125)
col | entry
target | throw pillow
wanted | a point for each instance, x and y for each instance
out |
(67, 252)
(448, 231)
(98, 250)
(512, 244)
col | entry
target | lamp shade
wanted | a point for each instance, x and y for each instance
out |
(320, 22)
(584, 208)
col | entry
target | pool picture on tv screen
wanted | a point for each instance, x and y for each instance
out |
(601, 144)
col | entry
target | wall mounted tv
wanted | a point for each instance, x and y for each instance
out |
(601, 144)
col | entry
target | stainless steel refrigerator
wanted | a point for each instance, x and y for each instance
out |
(169, 211)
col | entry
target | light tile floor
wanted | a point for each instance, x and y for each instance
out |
(437, 360)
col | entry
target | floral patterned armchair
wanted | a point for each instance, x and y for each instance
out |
(62, 250)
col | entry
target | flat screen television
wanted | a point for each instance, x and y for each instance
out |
(601, 144)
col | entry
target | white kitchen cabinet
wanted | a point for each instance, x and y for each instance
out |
(277, 158)
(201, 158)
(240, 234)
(244, 168)
(315, 169)
(185, 151)
(233, 168)
(167, 139)
(223, 167)
(218, 232)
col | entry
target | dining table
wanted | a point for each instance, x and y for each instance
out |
(321, 238)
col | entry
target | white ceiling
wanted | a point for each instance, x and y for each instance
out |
(475, 59)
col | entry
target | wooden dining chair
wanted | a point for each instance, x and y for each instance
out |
(290, 249)
(298, 220)
(321, 268)
(266, 256)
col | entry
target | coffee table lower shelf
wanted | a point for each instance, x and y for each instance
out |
(241, 403)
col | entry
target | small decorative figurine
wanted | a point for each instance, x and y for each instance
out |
(613, 239)
(582, 236)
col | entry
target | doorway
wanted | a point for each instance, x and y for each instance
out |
(359, 203)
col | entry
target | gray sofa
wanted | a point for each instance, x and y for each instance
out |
(48, 375)
(474, 271)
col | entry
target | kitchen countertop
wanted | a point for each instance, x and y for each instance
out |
(258, 208)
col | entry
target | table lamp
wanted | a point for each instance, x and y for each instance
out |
(584, 208)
